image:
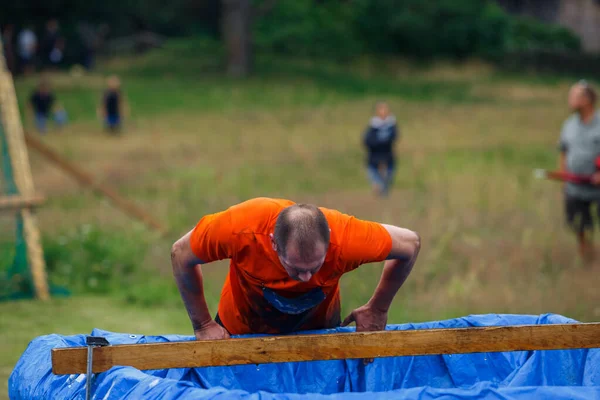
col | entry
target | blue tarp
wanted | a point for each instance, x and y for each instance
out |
(556, 374)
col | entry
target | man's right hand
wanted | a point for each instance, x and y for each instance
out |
(211, 331)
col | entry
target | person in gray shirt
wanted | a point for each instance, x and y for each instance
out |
(580, 154)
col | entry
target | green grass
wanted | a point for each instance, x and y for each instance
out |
(493, 238)
(156, 84)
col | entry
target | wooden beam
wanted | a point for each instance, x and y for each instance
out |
(88, 180)
(17, 202)
(291, 348)
(19, 159)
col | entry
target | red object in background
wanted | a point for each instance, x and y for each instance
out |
(568, 177)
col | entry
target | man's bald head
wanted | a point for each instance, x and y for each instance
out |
(582, 95)
(303, 227)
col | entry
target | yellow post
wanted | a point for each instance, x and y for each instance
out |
(17, 149)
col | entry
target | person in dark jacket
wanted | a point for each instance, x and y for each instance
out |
(113, 105)
(379, 140)
(44, 107)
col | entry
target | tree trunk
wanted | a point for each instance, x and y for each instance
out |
(237, 36)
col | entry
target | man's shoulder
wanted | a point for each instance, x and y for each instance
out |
(596, 121)
(570, 120)
(376, 122)
(342, 224)
(257, 214)
(263, 203)
(569, 125)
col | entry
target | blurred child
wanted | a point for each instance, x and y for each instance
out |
(379, 139)
(113, 106)
(44, 106)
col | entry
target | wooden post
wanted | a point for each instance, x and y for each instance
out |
(191, 354)
(10, 118)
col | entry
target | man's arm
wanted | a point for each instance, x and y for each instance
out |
(400, 261)
(395, 134)
(562, 155)
(187, 271)
(562, 165)
(369, 138)
(405, 249)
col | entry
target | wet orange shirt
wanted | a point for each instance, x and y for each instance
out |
(241, 234)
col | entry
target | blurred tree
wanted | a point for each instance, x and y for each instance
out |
(237, 25)
(333, 29)
(313, 28)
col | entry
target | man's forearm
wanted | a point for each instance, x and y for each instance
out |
(562, 163)
(562, 166)
(393, 277)
(189, 282)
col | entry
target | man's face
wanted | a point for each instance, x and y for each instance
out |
(113, 83)
(297, 268)
(383, 111)
(577, 98)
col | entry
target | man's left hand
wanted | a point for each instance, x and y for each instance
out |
(596, 178)
(367, 319)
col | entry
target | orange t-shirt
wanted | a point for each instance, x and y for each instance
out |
(241, 234)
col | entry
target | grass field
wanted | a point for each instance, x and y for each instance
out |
(493, 239)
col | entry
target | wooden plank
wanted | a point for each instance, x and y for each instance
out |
(10, 118)
(16, 202)
(328, 347)
(88, 180)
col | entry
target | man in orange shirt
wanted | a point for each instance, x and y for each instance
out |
(286, 260)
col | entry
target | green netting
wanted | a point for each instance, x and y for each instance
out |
(16, 282)
(15, 277)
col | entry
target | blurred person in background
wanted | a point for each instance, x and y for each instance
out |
(379, 139)
(44, 107)
(579, 148)
(113, 105)
(52, 45)
(28, 46)
(92, 38)
(57, 54)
